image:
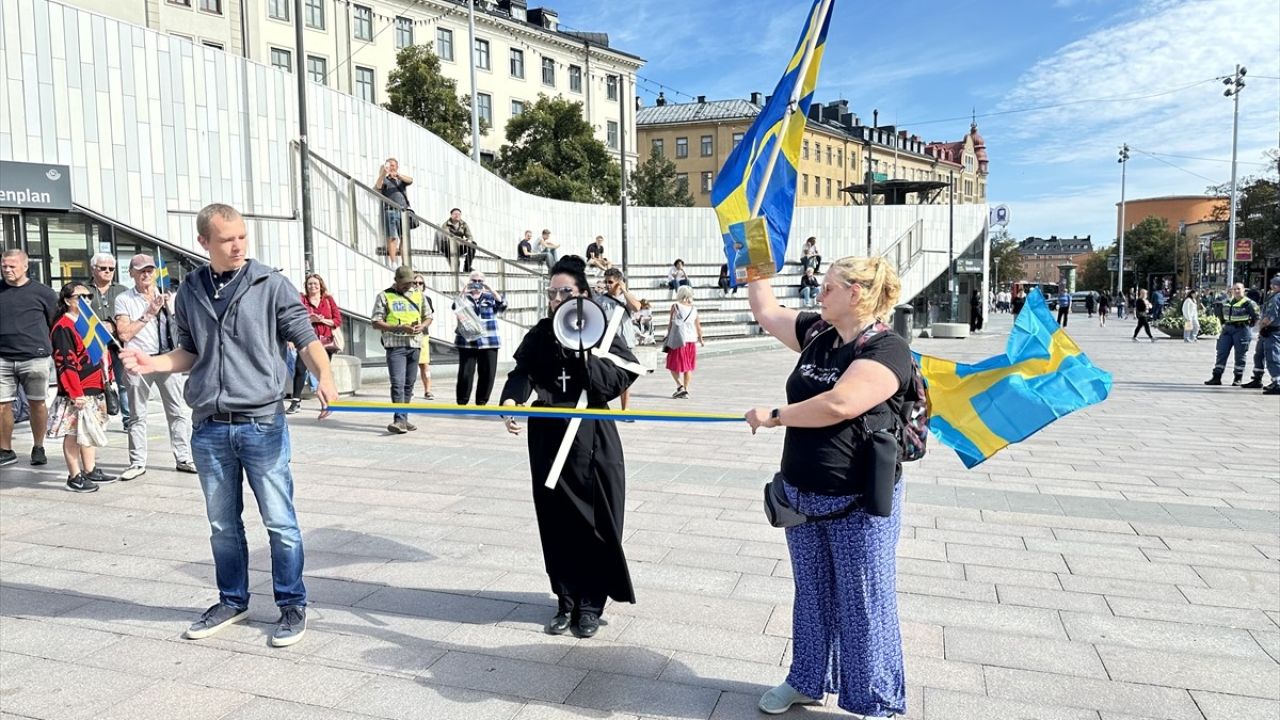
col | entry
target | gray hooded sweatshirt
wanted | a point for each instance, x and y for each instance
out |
(240, 364)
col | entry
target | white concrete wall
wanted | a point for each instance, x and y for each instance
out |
(155, 127)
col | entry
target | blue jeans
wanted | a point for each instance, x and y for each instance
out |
(259, 451)
(1272, 351)
(402, 366)
(808, 293)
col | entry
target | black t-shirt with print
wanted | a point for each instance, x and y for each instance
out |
(818, 460)
(594, 251)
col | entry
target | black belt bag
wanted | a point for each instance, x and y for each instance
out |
(875, 470)
(782, 514)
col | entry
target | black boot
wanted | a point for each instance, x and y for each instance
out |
(1235, 381)
(1216, 379)
(559, 624)
(1272, 389)
(1253, 384)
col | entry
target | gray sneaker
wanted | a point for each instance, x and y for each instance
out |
(292, 626)
(214, 620)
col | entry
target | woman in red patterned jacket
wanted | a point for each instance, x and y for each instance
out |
(80, 384)
(325, 318)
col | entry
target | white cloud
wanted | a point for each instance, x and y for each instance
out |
(1166, 44)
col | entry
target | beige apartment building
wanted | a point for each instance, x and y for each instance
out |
(835, 153)
(351, 45)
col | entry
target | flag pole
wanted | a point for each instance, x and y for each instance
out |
(791, 108)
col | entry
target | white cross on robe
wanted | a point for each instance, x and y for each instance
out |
(564, 380)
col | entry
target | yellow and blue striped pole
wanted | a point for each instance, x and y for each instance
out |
(564, 413)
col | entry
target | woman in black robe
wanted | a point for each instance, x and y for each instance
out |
(580, 519)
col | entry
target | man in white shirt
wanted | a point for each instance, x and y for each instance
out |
(144, 317)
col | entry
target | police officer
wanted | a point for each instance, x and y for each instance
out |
(1268, 348)
(401, 313)
(1239, 314)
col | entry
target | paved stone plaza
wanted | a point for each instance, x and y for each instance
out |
(1121, 565)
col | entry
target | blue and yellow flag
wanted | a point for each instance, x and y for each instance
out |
(93, 334)
(979, 409)
(743, 174)
(162, 273)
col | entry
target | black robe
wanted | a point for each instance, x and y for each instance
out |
(580, 521)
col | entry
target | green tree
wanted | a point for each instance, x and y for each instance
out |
(654, 184)
(1258, 212)
(1093, 272)
(1150, 244)
(1004, 251)
(552, 151)
(416, 90)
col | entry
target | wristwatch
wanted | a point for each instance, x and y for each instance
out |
(776, 414)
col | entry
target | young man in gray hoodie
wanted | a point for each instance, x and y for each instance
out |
(233, 319)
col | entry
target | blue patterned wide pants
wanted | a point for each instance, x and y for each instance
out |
(845, 631)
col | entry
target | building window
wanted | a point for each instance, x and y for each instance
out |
(313, 13)
(484, 108)
(804, 184)
(706, 146)
(611, 87)
(575, 77)
(707, 181)
(279, 9)
(444, 44)
(364, 83)
(363, 27)
(611, 133)
(840, 158)
(517, 63)
(212, 6)
(828, 188)
(549, 74)
(404, 33)
(183, 3)
(282, 59)
(737, 138)
(517, 107)
(211, 44)
(682, 182)
(682, 147)
(318, 69)
(804, 151)
(482, 54)
(659, 146)
(828, 154)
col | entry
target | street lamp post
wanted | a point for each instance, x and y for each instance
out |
(475, 107)
(304, 150)
(1124, 163)
(1234, 84)
(996, 283)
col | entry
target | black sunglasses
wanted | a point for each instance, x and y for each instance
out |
(563, 292)
(105, 268)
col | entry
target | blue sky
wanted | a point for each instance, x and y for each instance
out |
(927, 65)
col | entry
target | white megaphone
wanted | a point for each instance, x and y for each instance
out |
(579, 324)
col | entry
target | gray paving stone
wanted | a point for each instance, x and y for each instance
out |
(167, 659)
(1090, 693)
(1107, 538)
(402, 655)
(1121, 552)
(946, 587)
(1024, 653)
(437, 605)
(1232, 676)
(652, 698)
(1260, 599)
(1131, 570)
(543, 711)
(701, 581)
(618, 658)
(736, 706)
(1196, 614)
(1232, 707)
(942, 704)
(168, 699)
(681, 637)
(1231, 579)
(729, 562)
(1010, 576)
(412, 699)
(1055, 599)
(53, 641)
(980, 615)
(40, 689)
(948, 674)
(709, 671)
(1158, 635)
(284, 679)
(1008, 558)
(491, 674)
(1122, 588)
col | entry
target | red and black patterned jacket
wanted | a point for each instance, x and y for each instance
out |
(76, 375)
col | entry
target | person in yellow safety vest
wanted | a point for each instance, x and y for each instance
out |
(401, 313)
(1239, 315)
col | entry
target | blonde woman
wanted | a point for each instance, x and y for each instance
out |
(684, 335)
(852, 373)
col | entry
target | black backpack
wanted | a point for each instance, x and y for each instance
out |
(913, 420)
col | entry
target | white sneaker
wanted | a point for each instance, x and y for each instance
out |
(133, 473)
(780, 699)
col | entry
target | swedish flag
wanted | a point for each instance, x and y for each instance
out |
(93, 334)
(746, 180)
(979, 409)
(162, 273)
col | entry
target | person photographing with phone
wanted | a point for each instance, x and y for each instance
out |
(478, 349)
(393, 184)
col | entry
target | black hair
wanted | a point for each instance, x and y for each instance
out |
(67, 291)
(454, 210)
(678, 262)
(576, 268)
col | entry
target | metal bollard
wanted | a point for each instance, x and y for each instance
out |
(903, 321)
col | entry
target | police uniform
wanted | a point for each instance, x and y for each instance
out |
(401, 349)
(1268, 349)
(1238, 318)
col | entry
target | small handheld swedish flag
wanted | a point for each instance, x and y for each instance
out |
(978, 409)
(755, 193)
(162, 273)
(93, 334)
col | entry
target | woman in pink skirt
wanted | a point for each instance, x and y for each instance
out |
(684, 334)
